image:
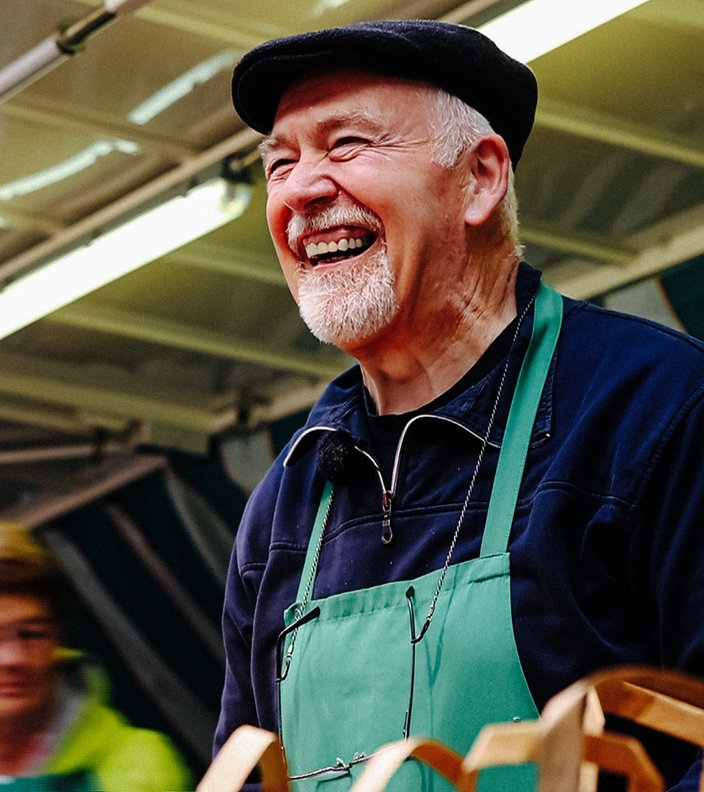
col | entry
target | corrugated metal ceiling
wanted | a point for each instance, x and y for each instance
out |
(207, 340)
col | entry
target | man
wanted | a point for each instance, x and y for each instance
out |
(56, 732)
(506, 492)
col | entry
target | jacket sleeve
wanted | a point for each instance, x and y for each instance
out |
(669, 562)
(238, 703)
(672, 517)
(249, 560)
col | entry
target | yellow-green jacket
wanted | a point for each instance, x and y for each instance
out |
(101, 752)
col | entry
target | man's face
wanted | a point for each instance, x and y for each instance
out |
(366, 226)
(28, 643)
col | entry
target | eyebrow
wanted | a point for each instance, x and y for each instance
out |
(265, 147)
(355, 117)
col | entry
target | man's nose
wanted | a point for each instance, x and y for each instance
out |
(308, 183)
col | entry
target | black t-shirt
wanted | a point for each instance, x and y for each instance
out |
(385, 430)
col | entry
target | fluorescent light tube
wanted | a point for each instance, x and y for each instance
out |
(539, 26)
(120, 251)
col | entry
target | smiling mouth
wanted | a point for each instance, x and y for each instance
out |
(340, 249)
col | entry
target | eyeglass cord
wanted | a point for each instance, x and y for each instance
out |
(472, 482)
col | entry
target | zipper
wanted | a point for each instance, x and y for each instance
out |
(387, 497)
(388, 493)
(387, 533)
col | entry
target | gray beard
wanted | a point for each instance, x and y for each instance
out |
(351, 303)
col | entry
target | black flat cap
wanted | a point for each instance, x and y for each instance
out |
(456, 58)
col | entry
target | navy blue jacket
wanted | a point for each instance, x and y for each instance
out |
(607, 550)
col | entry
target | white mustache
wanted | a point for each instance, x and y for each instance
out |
(328, 217)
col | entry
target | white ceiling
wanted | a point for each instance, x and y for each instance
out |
(207, 340)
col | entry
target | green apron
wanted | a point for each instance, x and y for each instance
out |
(351, 671)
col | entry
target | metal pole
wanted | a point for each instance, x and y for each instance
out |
(55, 49)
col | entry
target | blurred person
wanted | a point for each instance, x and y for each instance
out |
(57, 732)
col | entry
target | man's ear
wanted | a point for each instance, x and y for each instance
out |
(489, 165)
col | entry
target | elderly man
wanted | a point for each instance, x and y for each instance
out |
(506, 492)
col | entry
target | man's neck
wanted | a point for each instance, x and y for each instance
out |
(408, 370)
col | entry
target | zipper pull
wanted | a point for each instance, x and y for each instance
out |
(387, 533)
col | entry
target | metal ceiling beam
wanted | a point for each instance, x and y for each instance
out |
(235, 262)
(687, 13)
(670, 228)
(650, 261)
(50, 506)
(71, 387)
(465, 11)
(70, 420)
(79, 422)
(147, 327)
(590, 246)
(52, 114)
(54, 453)
(285, 400)
(199, 20)
(574, 120)
(22, 219)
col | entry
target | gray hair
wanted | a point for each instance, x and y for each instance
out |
(456, 127)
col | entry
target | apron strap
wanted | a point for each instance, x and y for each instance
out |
(312, 552)
(547, 321)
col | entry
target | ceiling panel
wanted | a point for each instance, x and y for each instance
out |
(207, 339)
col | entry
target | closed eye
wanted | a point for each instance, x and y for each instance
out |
(276, 156)
(348, 146)
(276, 167)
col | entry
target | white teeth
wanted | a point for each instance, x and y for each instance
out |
(321, 248)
